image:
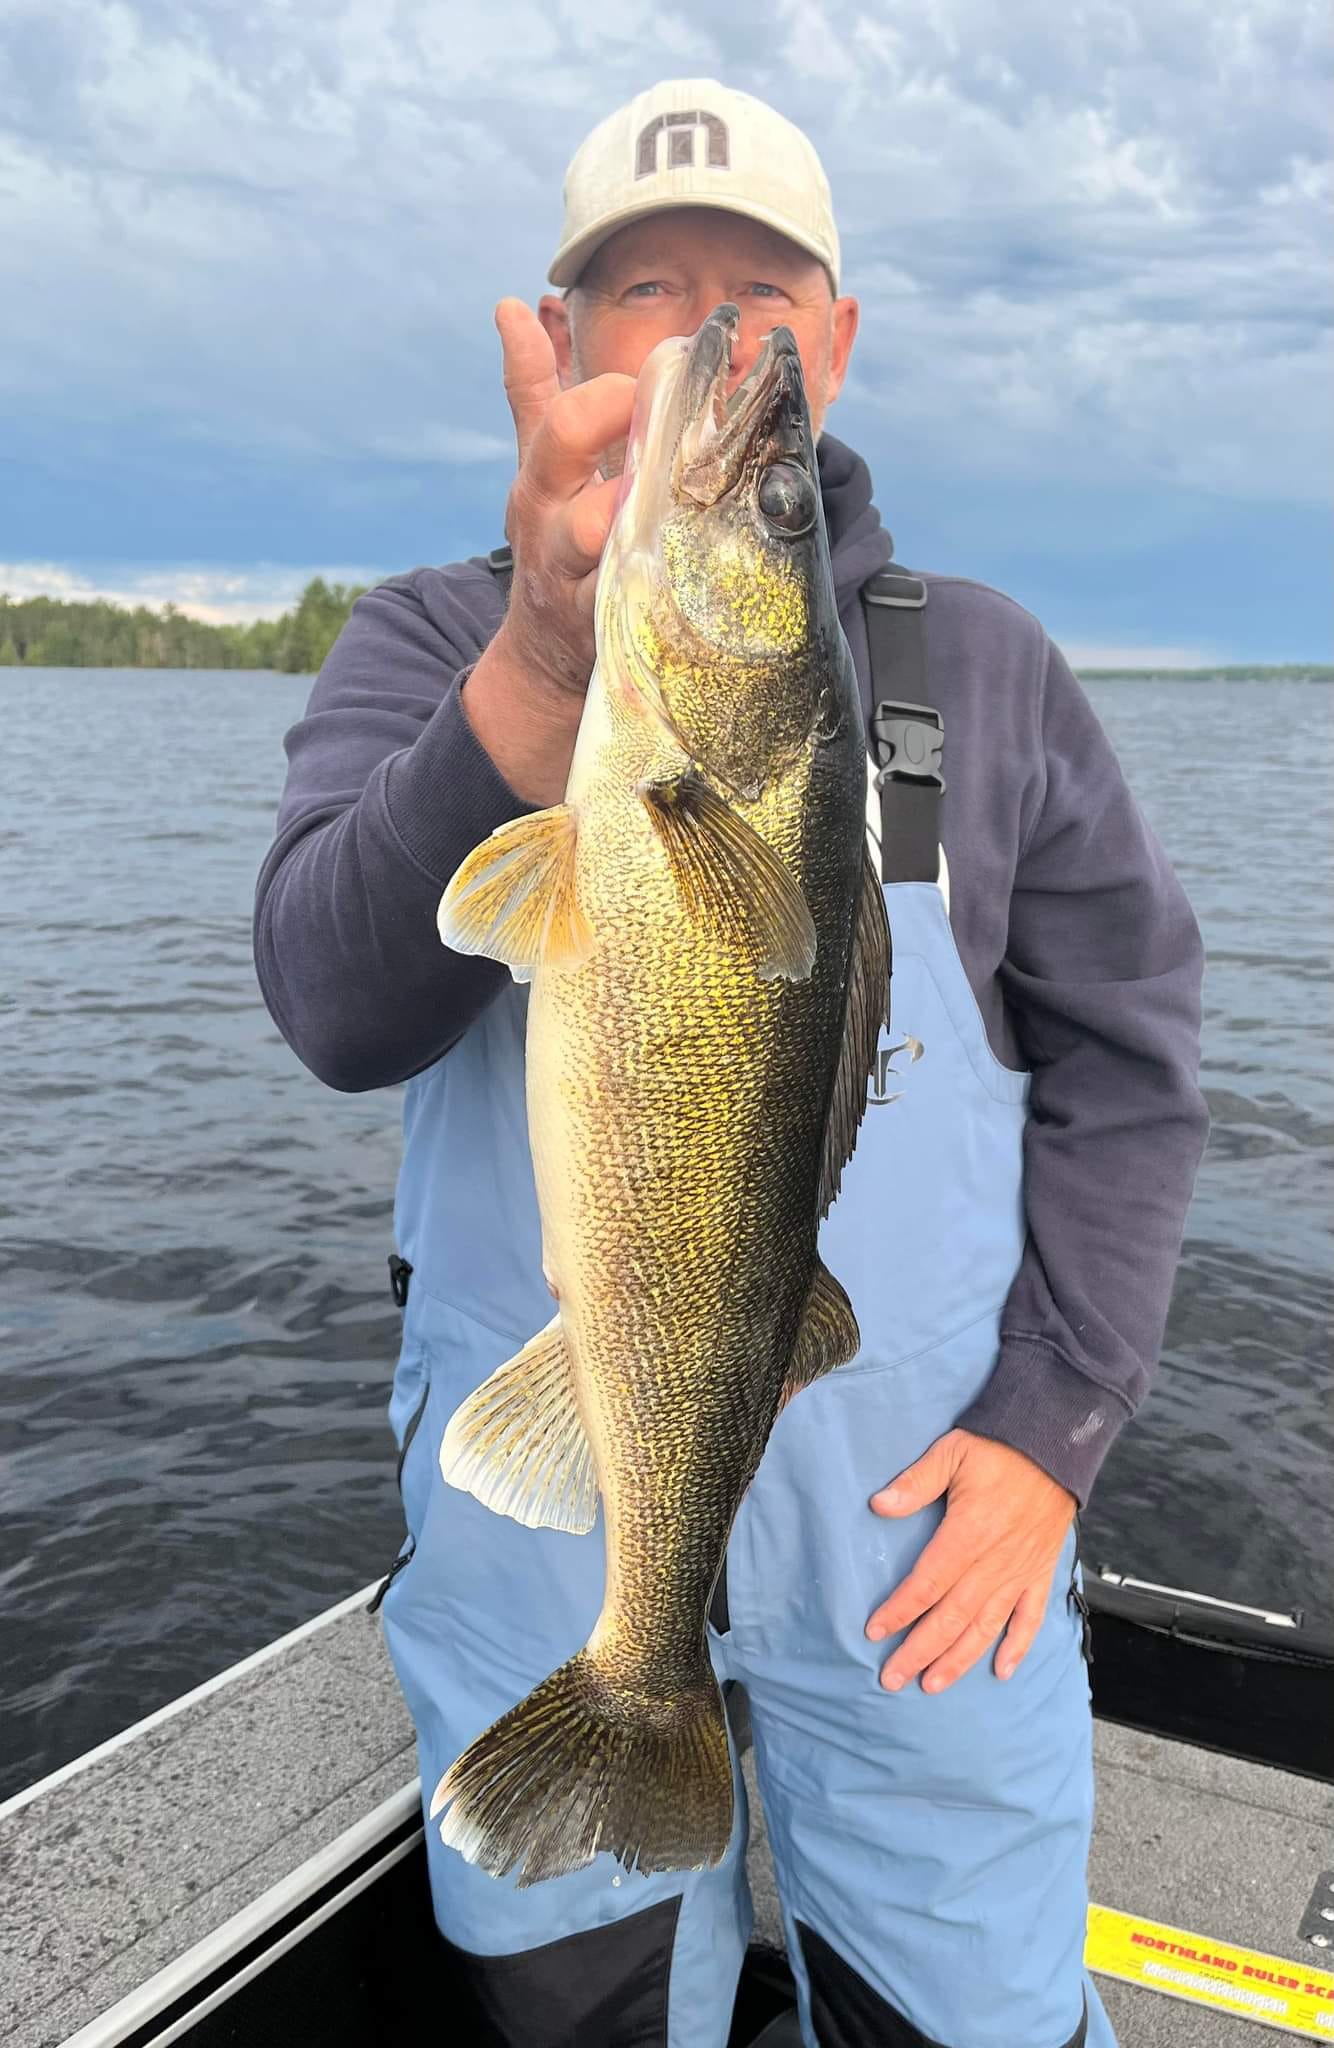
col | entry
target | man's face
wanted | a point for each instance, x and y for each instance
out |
(664, 275)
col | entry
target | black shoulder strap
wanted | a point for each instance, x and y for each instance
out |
(500, 562)
(907, 732)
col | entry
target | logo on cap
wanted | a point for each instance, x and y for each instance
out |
(680, 130)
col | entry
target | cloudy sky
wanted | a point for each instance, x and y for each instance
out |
(250, 250)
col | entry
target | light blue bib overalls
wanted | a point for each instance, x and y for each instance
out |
(930, 1851)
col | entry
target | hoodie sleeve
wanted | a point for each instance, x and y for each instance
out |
(387, 790)
(1102, 977)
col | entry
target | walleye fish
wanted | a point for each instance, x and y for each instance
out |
(708, 953)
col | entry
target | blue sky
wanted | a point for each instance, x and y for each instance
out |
(251, 248)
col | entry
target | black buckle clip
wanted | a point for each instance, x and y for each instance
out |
(909, 741)
(400, 1272)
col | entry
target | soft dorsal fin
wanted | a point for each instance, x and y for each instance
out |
(515, 897)
(730, 878)
(867, 1009)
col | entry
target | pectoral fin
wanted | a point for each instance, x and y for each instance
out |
(518, 1443)
(515, 897)
(826, 1336)
(867, 1009)
(730, 878)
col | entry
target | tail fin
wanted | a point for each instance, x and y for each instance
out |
(580, 1767)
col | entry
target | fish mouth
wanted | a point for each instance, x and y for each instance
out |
(766, 418)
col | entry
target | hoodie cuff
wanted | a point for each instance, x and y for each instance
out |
(1039, 1403)
(444, 794)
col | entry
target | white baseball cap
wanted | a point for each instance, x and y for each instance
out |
(693, 142)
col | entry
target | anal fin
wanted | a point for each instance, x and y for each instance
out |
(518, 1443)
(730, 878)
(515, 897)
(827, 1335)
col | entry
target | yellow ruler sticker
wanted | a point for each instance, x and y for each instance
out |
(1270, 1989)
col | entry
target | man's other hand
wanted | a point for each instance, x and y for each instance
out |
(988, 1568)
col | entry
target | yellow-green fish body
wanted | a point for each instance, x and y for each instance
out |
(709, 969)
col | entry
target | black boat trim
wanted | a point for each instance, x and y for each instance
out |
(1213, 1674)
(1215, 1624)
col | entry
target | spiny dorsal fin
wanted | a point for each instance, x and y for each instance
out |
(518, 1443)
(867, 1009)
(515, 897)
(730, 878)
(826, 1336)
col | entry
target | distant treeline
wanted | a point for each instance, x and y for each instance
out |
(54, 632)
(1288, 672)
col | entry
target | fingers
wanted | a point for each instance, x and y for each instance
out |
(1022, 1633)
(560, 434)
(962, 1626)
(961, 1601)
(562, 456)
(941, 1654)
(531, 380)
(560, 506)
(571, 547)
(923, 1482)
(583, 531)
(942, 1567)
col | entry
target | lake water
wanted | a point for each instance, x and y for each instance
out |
(196, 1336)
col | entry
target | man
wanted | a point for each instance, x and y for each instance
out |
(1008, 1242)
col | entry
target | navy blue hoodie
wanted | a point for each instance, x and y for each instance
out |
(1074, 932)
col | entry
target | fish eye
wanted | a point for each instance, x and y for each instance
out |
(787, 498)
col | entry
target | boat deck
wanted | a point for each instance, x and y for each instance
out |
(146, 1864)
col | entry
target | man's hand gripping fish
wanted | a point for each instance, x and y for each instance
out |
(709, 959)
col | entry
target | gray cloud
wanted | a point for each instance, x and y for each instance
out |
(1084, 237)
(1111, 236)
